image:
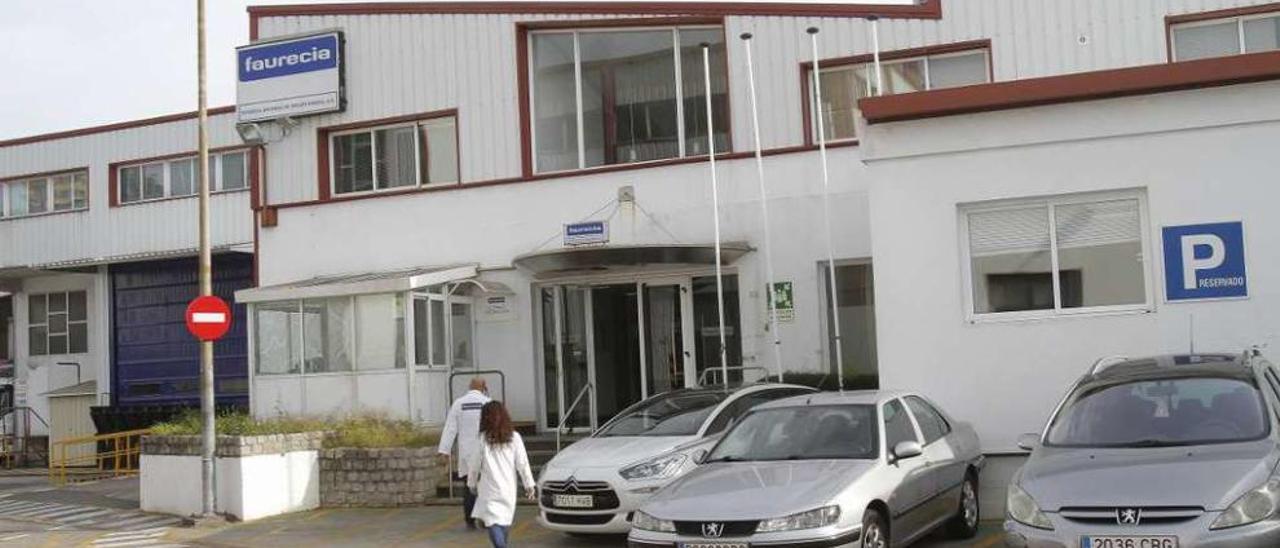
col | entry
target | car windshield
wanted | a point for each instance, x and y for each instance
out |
(1162, 412)
(679, 414)
(799, 433)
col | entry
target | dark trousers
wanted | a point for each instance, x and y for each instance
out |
(498, 536)
(468, 502)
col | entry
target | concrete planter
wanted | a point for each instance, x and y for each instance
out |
(256, 476)
(353, 477)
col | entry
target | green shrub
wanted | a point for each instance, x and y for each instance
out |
(361, 430)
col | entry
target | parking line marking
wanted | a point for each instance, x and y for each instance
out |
(14, 537)
(83, 518)
(990, 541)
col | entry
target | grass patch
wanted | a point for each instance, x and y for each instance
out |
(363, 430)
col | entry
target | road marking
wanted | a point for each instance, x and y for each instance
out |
(152, 537)
(14, 537)
(60, 510)
(17, 506)
(82, 519)
(990, 541)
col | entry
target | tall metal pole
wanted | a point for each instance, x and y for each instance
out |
(764, 212)
(206, 276)
(875, 53)
(826, 209)
(715, 201)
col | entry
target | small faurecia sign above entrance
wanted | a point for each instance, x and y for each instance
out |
(292, 76)
(588, 232)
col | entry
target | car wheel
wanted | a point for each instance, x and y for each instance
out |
(965, 523)
(875, 532)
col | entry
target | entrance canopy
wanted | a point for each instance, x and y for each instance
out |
(395, 281)
(604, 259)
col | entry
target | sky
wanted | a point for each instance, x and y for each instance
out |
(67, 64)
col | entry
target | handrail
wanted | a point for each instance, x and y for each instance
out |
(29, 411)
(702, 378)
(122, 459)
(502, 380)
(589, 387)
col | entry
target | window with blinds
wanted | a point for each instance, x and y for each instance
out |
(1056, 255)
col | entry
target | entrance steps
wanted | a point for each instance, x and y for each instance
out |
(541, 448)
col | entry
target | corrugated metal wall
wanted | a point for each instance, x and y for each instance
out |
(103, 231)
(400, 64)
(69, 418)
(154, 359)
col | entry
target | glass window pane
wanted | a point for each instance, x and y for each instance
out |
(57, 302)
(901, 76)
(966, 69)
(1100, 254)
(397, 157)
(897, 425)
(76, 306)
(555, 115)
(1010, 260)
(438, 348)
(353, 163)
(58, 323)
(276, 337)
(37, 309)
(63, 195)
(856, 305)
(313, 335)
(377, 334)
(233, 175)
(38, 341)
(706, 327)
(931, 424)
(4, 198)
(628, 96)
(841, 89)
(693, 84)
(37, 196)
(442, 150)
(1262, 34)
(80, 188)
(18, 198)
(421, 332)
(78, 338)
(57, 344)
(130, 184)
(1200, 41)
(338, 340)
(152, 181)
(182, 177)
(462, 356)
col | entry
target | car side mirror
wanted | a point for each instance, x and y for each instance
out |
(699, 456)
(905, 450)
(1029, 442)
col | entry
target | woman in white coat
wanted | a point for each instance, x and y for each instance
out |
(493, 470)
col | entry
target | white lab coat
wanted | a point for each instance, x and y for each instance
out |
(463, 424)
(492, 473)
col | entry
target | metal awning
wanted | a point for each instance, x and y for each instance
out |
(86, 388)
(610, 258)
(394, 281)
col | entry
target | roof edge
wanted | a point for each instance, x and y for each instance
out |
(115, 126)
(1085, 86)
(923, 9)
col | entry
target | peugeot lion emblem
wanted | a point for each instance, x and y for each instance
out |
(712, 529)
(1128, 516)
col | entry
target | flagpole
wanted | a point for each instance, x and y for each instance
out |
(826, 208)
(715, 201)
(875, 53)
(764, 212)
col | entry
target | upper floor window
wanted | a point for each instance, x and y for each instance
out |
(1057, 255)
(602, 97)
(395, 156)
(1226, 36)
(844, 83)
(44, 194)
(58, 323)
(177, 177)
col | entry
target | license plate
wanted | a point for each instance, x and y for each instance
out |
(573, 501)
(714, 545)
(1111, 541)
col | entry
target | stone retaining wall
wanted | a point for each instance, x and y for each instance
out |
(351, 477)
(234, 446)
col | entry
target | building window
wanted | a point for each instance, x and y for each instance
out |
(177, 178)
(330, 335)
(430, 332)
(395, 156)
(1057, 255)
(604, 97)
(1226, 36)
(44, 194)
(843, 84)
(58, 323)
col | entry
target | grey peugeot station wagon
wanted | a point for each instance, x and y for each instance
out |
(1175, 451)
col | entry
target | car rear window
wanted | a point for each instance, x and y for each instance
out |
(1161, 412)
(680, 414)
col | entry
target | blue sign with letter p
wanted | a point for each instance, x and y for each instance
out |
(1204, 262)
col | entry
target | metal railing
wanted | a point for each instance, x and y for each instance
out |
(702, 378)
(502, 389)
(588, 388)
(109, 456)
(15, 433)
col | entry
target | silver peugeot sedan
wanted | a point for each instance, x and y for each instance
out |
(1166, 452)
(868, 468)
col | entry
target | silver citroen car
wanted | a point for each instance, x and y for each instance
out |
(868, 468)
(1167, 452)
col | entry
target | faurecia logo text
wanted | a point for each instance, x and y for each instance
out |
(285, 58)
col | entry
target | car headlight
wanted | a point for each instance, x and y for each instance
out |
(1253, 506)
(1022, 509)
(804, 520)
(658, 468)
(646, 522)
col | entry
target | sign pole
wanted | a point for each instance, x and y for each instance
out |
(715, 200)
(206, 276)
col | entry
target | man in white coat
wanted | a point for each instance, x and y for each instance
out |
(463, 425)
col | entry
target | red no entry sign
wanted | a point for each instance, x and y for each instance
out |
(208, 318)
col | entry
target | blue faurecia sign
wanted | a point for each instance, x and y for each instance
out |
(285, 58)
(590, 232)
(1204, 262)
